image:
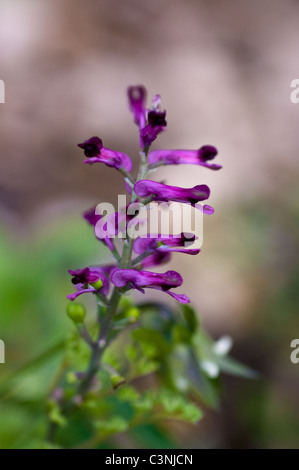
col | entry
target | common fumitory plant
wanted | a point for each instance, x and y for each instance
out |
(124, 341)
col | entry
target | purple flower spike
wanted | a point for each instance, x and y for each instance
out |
(174, 244)
(96, 153)
(140, 279)
(156, 125)
(137, 99)
(185, 157)
(163, 192)
(82, 278)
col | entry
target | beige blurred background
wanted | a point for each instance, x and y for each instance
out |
(224, 70)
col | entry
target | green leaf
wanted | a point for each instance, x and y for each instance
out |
(36, 361)
(205, 350)
(233, 367)
(190, 317)
(113, 425)
(128, 393)
(181, 334)
(55, 414)
(178, 407)
(145, 402)
(181, 371)
(201, 384)
(153, 338)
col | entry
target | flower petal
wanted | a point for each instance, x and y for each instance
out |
(156, 125)
(111, 158)
(122, 277)
(82, 278)
(137, 99)
(91, 216)
(155, 259)
(185, 157)
(163, 192)
(92, 147)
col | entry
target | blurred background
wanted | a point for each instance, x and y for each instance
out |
(223, 69)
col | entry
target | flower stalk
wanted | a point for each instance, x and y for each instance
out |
(128, 273)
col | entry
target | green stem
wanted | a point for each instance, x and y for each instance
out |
(140, 258)
(105, 319)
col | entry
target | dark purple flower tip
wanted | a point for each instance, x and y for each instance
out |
(140, 279)
(207, 152)
(96, 153)
(163, 192)
(157, 118)
(91, 216)
(92, 147)
(83, 278)
(156, 125)
(137, 99)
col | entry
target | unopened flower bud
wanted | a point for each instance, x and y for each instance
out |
(97, 285)
(133, 313)
(71, 378)
(76, 312)
(117, 380)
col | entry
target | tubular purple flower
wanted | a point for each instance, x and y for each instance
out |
(96, 153)
(110, 226)
(165, 244)
(146, 279)
(137, 99)
(156, 125)
(83, 278)
(164, 192)
(185, 157)
(91, 216)
(115, 223)
(93, 219)
(92, 147)
(157, 258)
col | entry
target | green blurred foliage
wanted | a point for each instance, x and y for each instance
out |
(170, 365)
(151, 373)
(33, 324)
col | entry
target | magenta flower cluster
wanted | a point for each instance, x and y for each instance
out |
(144, 252)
